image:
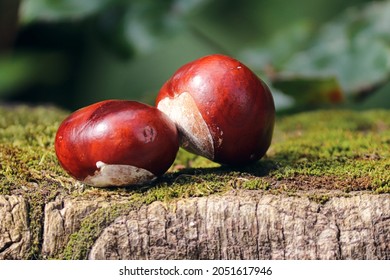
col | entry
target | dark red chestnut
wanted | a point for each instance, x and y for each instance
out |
(116, 143)
(223, 111)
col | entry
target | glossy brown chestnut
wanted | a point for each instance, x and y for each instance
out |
(223, 111)
(116, 143)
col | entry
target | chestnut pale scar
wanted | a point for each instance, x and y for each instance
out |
(196, 136)
(118, 175)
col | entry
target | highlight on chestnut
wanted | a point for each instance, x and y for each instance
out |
(222, 110)
(116, 143)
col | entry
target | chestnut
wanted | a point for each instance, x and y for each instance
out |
(223, 111)
(116, 143)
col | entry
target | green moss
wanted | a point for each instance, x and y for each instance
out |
(187, 160)
(252, 184)
(28, 165)
(384, 189)
(81, 241)
(346, 146)
(319, 198)
(26, 148)
(325, 150)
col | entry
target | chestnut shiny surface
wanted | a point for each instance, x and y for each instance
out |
(116, 132)
(236, 105)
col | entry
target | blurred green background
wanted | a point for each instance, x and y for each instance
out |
(313, 54)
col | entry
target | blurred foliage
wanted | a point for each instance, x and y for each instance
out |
(312, 54)
(51, 10)
(354, 48)
(31, 68)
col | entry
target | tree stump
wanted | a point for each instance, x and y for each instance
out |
(321, 192)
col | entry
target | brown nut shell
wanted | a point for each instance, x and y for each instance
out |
(116, 143)
(222, 109)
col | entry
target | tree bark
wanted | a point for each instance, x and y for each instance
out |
(251, 227)
(15, 235)
(239, 225)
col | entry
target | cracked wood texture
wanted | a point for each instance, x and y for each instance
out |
(245, 225)
(15, 235)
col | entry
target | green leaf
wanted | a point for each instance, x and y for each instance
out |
(54, 10)
(379, 99)
(142, 25)
(355, 48)
(148, 23)
(312, 91)
(279, 49)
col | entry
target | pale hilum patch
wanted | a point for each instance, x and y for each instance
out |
(195, 134)
(118, 175)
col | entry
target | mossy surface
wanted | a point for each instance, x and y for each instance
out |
(313, 153)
